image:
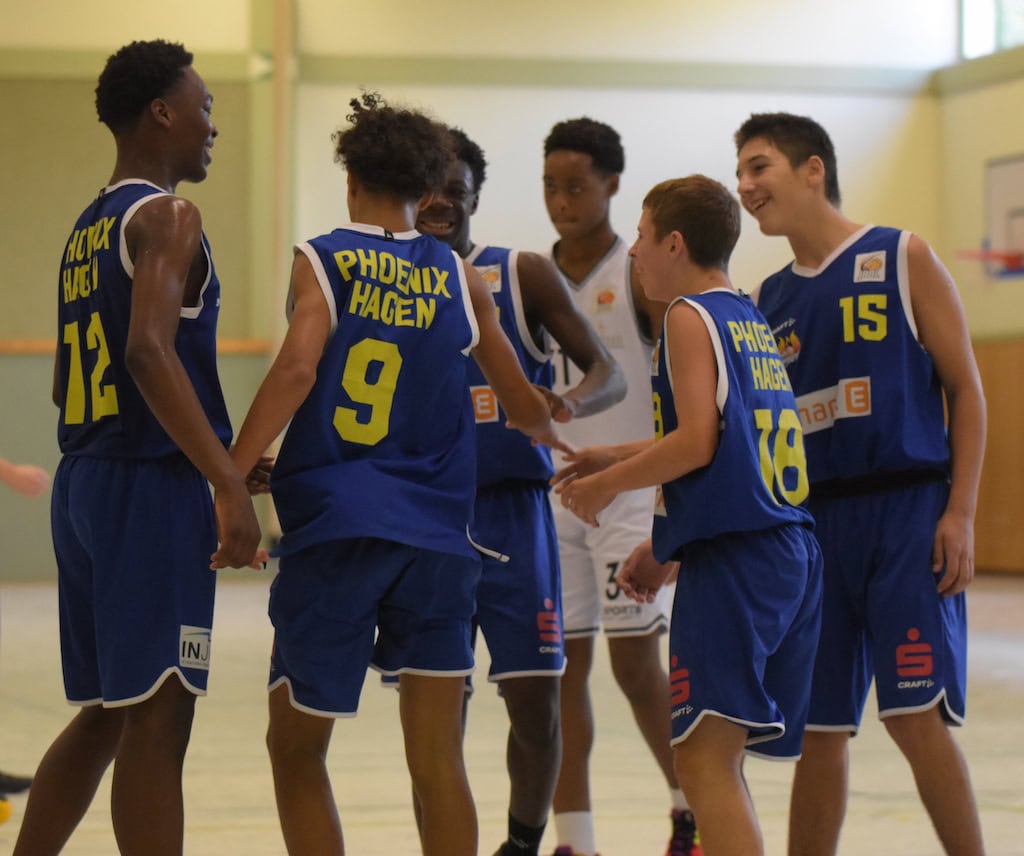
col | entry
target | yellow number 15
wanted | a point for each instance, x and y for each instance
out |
(103, 396)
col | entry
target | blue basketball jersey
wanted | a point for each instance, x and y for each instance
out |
(102, 412)
(503, 454)
(869, 396)
(383, 446)
(757, 477)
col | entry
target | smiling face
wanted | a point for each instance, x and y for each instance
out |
(191, 103)
(576, 193)
(446, 216)
(771, 190)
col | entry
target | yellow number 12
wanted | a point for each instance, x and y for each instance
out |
(103, 396)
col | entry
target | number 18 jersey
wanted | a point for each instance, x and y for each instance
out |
(383, 446)
(758, 475)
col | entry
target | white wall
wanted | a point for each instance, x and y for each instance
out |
(886, 149)
(873, 33)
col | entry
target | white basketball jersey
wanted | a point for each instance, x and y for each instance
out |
(606, 299)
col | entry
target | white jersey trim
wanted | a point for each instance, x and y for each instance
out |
(541, 356)
(189, 312)
(903, 281)
(807, 272)
(722, 386)
(321, 277)
(467, 304)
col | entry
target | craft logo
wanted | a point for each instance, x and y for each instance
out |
(914, 660)
(869, 267)
(194, 647)
(485, 403)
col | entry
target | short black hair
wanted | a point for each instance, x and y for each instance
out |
(471, 155)
(798, 138)
(391, 150)
(134, 76)
(590, 137)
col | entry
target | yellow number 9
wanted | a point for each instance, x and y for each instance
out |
(378, 394)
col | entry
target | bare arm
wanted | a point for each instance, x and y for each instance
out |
(525, 407)
(164, 239)
(293, 373)
(942, 329)
(694, 378)
(26, 479)
(548, 303)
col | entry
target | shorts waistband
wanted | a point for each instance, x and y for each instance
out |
(875, 483)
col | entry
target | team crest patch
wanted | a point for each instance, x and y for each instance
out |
(491, 274)
(869, 267)
(605, 299)
(194, 647)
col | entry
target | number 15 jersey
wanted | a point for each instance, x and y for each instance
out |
(383, 446)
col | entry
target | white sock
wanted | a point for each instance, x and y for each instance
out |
(576, 829)
(679, 799)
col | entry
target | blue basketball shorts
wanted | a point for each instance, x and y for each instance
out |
(330, 600)
(519, 601)
(743, 635)
(882, 615)
(133, 540)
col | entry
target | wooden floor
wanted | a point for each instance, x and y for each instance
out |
(229, 799)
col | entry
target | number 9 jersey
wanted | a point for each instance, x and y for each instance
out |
(383, 446)
(102, 412)
(757, 478)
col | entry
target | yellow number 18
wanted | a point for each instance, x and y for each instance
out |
(781, 450)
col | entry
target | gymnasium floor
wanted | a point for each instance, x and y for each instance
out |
(229, 797)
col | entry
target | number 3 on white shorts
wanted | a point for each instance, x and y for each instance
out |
(378, 394)
(782, 452)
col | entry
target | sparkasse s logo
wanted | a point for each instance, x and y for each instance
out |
(679, 683)
(914, 658)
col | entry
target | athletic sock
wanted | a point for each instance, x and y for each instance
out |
(679, 799)
(576, 829)
(522, 840)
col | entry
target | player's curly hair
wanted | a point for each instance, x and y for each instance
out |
(134, 76)
(703, 211)
(471, 155)
(396, 151)
(798, 138)
(590, 137)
